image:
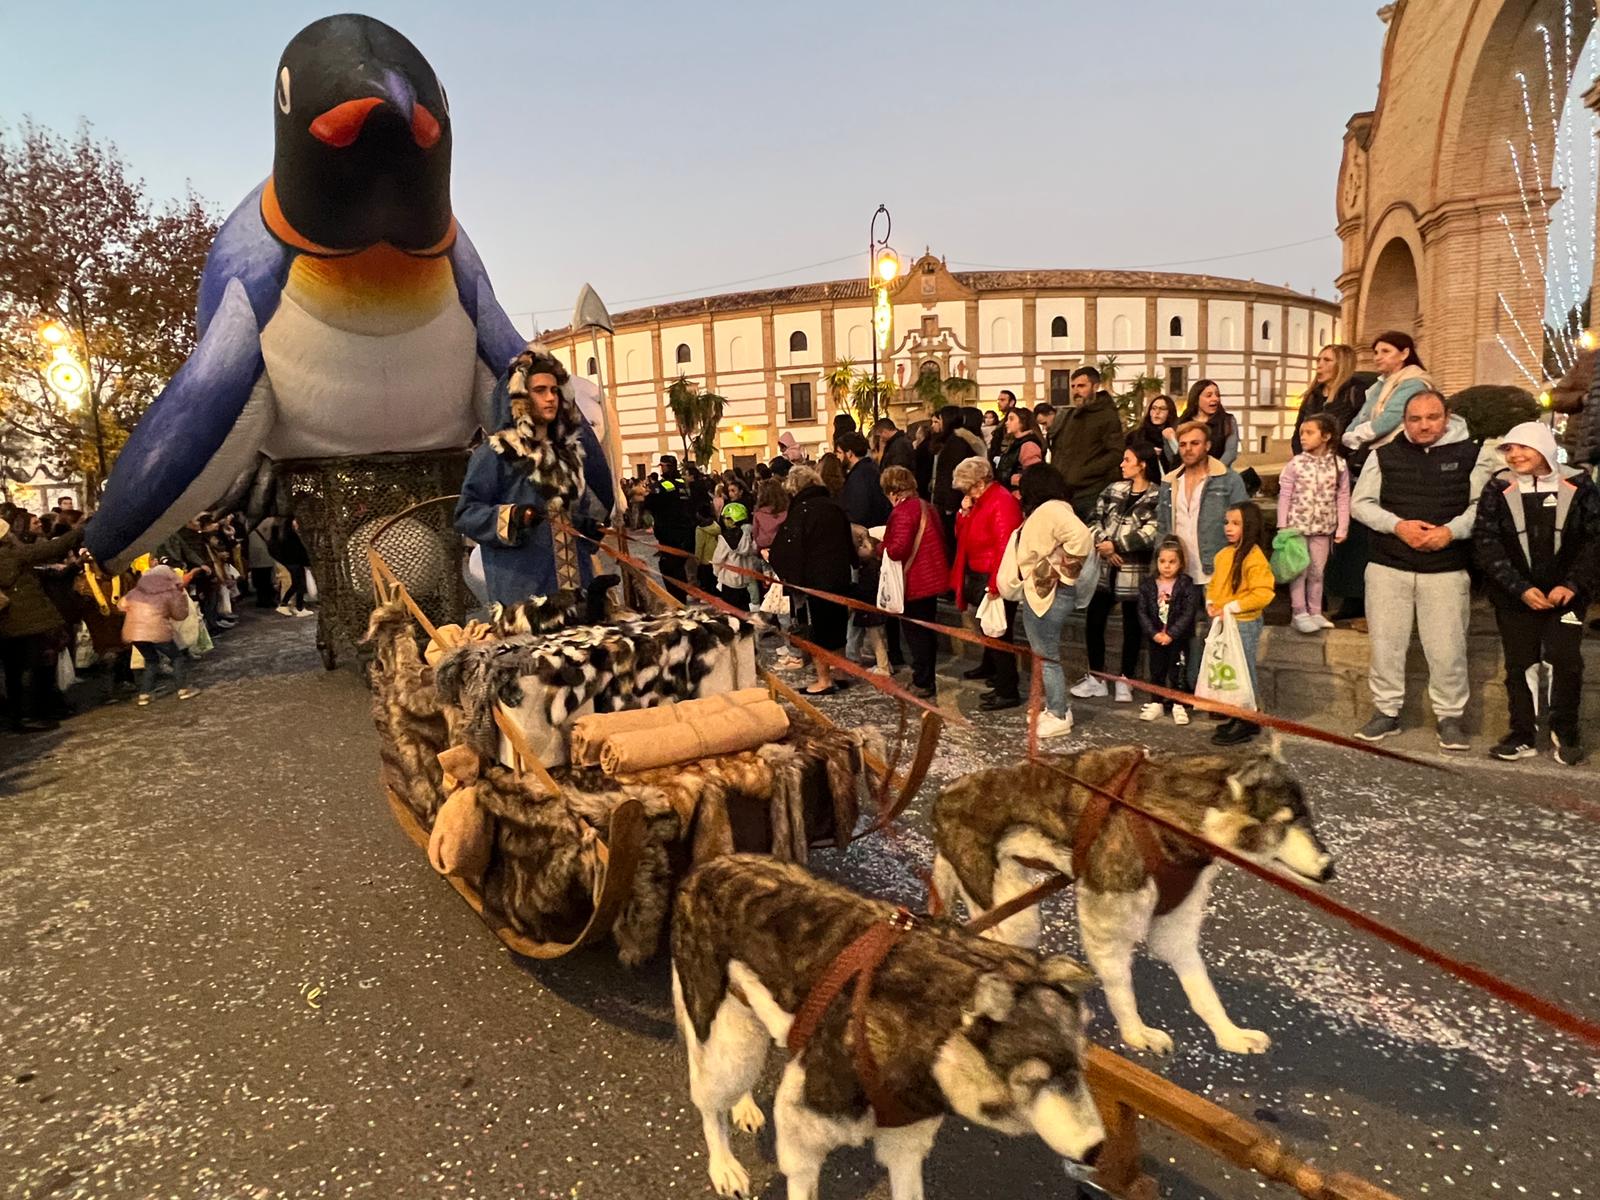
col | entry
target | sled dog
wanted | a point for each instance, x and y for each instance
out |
(993, 828)
(954, 1023)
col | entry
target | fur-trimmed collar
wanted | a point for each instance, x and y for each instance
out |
(551, 456)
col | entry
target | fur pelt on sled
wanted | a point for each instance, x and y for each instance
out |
(413, 726)
(635, 662)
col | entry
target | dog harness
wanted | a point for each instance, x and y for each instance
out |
(859, 961)
(1174, 880)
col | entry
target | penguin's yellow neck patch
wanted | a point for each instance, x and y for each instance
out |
(377, 291)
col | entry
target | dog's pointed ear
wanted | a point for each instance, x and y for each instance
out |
(1236, 789)
(992, 998)
(1061, 970)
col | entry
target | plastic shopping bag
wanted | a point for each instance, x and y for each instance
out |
(1291, 555)
(1088, 579)
(1224, 673)
(776, 602)
(892, 586)
(186, 633)
(66, 676)
(992, 616)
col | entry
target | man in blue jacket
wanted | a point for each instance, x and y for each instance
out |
(1193, 507)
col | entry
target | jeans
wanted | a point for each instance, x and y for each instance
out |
(1044, 635)
(1250, 636)
(153, 653)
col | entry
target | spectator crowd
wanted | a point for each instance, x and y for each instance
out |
(1026, 517)
(64, 616)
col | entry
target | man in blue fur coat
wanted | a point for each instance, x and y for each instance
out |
(543, 464)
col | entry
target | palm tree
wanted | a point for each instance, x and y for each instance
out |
(958, 389)
(697, 415)
(864, 393)
(840, 383)
(1108, 372)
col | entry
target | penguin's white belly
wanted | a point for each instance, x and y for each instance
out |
(340, 393)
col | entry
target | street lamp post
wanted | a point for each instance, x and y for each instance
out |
(883, 265)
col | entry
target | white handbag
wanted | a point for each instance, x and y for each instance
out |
(992, 616)
(775, 603)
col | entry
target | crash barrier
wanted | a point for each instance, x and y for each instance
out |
(1122, 1088)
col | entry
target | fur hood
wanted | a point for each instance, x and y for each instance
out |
(551, 457)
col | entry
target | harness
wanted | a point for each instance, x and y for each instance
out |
(860, 961)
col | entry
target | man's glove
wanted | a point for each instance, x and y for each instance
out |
(528, 516)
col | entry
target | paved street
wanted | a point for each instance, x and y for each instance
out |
(224, 972)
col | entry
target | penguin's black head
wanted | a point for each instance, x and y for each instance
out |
(362, 146)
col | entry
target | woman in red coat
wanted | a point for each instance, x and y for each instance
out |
(913, 539)
(989, 516)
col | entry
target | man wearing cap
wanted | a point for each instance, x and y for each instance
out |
(1537, 541)
(671, 509)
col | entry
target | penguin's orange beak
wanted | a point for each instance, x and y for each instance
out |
(341, 125)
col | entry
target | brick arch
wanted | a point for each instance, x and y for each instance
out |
(1392, 285)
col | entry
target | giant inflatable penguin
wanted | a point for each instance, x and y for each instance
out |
(342, 310)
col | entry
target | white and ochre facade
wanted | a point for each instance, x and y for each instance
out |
(771, 352)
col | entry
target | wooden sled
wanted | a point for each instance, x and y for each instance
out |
(619, 851)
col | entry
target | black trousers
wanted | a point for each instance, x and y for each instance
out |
(738, 596)
(30, 670)
(1095, 634)
(1002, 667)
(921, 642)
(296, 588)
(1528, 637)
(1166, 667)
(674, 573)
(265, 586)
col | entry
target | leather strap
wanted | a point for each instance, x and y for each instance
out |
(859, 961)
(1174, 880)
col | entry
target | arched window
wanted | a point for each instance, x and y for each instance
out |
(735, 353)
(1175, 327)
(1225, 330)
(857, 343)
(1058, 327)
(797, 342)
(1266, 331)
(1000, 335)
(683, 352)
(1121, 333)
(633, 363)
(593, 367)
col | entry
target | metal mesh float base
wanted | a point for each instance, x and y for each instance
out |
(343, 503)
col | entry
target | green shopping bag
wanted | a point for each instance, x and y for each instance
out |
(1291, 555)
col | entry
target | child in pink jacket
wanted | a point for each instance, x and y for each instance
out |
(1314, 498)
(150, 610)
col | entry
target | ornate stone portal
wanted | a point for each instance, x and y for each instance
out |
(1427, 185)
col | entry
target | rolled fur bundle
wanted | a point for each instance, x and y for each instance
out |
(588, 733)
(743, 727)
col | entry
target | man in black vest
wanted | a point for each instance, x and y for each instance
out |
(1419, 496)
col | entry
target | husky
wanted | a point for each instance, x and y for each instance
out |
(956, 1023)
(994, 828)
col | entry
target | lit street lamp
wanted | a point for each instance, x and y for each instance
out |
(70, 378)
(883, 268)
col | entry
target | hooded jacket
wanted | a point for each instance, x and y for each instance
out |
(813, 547)
(1565, 501)
(1439, 484)
(30, 610)
(155, 602)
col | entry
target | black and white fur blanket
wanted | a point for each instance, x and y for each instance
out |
(636, 662)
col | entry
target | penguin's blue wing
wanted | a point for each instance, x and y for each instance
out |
(194, 441)
(498, 340)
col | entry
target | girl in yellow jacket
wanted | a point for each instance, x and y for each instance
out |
(1242, 583)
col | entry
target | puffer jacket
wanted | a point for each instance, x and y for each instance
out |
(981, 536)
(150, 609)
(1500, 542)
(30, 610)
(927, 574)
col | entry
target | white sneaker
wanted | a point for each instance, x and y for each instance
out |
(305, 612)
(1089, 688)
(144, 699)
(1305, 623)
(1150, 712)
(1051, 726)
(1180, 715)
(285, 611)
(1322, 621)
(186, 693)
(1124, 694)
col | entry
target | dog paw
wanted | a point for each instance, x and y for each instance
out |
(1156, 1041)
(747, 1115)
(728, 1178)
(1244, 1041)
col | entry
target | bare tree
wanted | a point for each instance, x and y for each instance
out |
(88, 259)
